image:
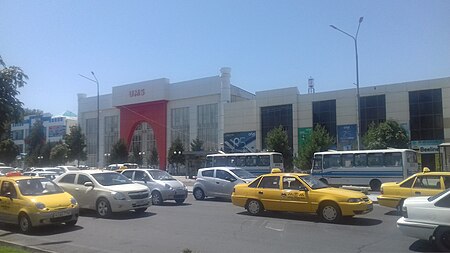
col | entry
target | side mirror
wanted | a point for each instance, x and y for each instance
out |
(8, 195)
(89, 184)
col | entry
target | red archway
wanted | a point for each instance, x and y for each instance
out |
(155, 114)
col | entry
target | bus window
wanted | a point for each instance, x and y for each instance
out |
(361, 160)
(347, 160)
(240, 161)
(277, 158)
(251, 161)
(393, 159)
(209, 162)
(317, 163)
(330, 161)
(411, 157)
(221, 161)
(231, 161)
(375, 160)
(263, 160)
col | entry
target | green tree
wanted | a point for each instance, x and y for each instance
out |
(58, 154)
(277, 140)
(386, 134)
(8, 151)
(45, 153)
(35, 142)
(176, 156)
(27, 112)
(154, 159)
(319, 140)
(76, 144)
(119, 152)
(11, 79)
(197, 145)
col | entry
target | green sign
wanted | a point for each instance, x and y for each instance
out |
(303, 135)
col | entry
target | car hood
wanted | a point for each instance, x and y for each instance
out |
(126, 187)
(173, 183)
(417, 201)
(341, 192)
(53, 201)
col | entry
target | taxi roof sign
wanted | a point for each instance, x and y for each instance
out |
(275, 170)
(426, 169)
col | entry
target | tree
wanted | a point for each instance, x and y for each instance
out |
(277, 141)
(176, 155)
(76, 144)
(35, 142)
(154, 160)
(8, 151)
(27, 112)
(11, 79)
(119, 152)
(320, 140)
(386, 134)
(197, 145)
(58, 154)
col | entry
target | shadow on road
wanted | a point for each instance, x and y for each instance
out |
(216, 200)
(422, 246)
(117, 216)
(42, 230)
(174, 204)
(347, 221)
(393, 213)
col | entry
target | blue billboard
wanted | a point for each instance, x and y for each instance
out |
(239, 142)
(347, 137)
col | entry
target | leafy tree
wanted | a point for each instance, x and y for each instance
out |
(176, 155)
(27, 112)
(135, 157)
(45, 154)
(386, 134)
(119, 152)
(76, 144)
(197, 145)
(58, 154)
(11, 79)
(8, 151)
(277, 140)
(320, 140)
(154, 159)
(35, 142)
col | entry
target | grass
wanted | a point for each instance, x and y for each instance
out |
(6, 249)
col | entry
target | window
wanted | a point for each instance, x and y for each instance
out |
(221, 161)
(347, 160)
(208, 173)
(83, 179)
(361, 160)
(447, 182)
(128, 174)
(445, 202)
(428, 182)
(272, 182)
(375, 160)
(8, 187)
(221, 174)
(251, 160)
(207, 125)
(91, 140)
(426, 116)
(393, 159)
(372, 110)
(140, 176)
(69, 179)
(255, 183)
(408, 183)
(277, 158)
(330, 161)
(291, 183)
(180, 125)
(275, 116)
(263, 160)
(324, 114)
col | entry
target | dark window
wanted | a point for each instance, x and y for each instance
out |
(291, 183)
(128, 174)
(361, 160)
(208, 173)
(272, 182)
(255, 183)
(8, 187)
(277, 159)
(275, 116)
(428, 182)
(224, 175)
(425, 113)
(408, 183)
(263, 160)
(83, 179)
(69, 178)
(347, 160)
(251, 160)
(372, 111)
(324, 114)
(445, 202)
(330, 161)
(375, 160)
(141, 176)
(393, 159)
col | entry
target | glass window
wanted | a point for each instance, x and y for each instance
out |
(38, 186)
(8, 187)
(372, 110)
(209, 161)
(428, 182)
(330, 161)
(426, 114)
(324, 114)
(207, 125)
(263, 160)
(69, 179)
(444, 202)
(242, 173)
(272, 182)
(317, 163)
(447, 182)
(292, 183)
(140, 176)
(251, 160)
(240, 161)
(180, 125)
(277, 158)
(375, 160)
(111, 132)
(275, 116)
(347, 160)
(220, 161)
(108, 179)
(128, 174)
(393, 159)
(83, 179)
(408, 183)
(208, 173)
(159, 175)
(255, 183)
(224, 175)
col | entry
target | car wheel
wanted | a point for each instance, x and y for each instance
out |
(254, 207)
(375, 185)
(156, 198)
(71, 223)
(400, 206)
(103, 208)
(330, 212)
(25, 223)
(199, 194)
(180, 201)
(442, 239)
(140, 210)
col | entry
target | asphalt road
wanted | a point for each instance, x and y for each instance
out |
(218, 226)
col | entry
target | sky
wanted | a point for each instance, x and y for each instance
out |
(267, 44)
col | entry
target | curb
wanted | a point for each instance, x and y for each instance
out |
(32, 249)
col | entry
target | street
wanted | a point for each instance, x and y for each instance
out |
(216, 225)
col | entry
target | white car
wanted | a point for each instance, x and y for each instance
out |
(428, 218)
(46, 169)
(105, 191)
(67, 168)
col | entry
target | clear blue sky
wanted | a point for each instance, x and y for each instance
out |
(268, 44)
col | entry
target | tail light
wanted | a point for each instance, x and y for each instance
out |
(405, 212)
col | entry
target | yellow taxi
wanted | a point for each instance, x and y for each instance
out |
(425, 183)
(35, 201)
(295, 192)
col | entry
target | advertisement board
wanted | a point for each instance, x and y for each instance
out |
(239, 142)
(303, 135)
(56, 131)
(346, 138)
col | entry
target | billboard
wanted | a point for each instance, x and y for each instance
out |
(56, 131)
(239, 142)
(347, 137)
(303, 135)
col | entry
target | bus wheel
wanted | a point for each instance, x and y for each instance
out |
(375, 185)
(323, 180)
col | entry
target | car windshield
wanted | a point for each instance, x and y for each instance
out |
(38, 186)
(313, 182)
(242, 173)
(108, 179)
(438, 195)
(161, 175)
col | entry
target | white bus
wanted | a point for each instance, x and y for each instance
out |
(255, 163)
(364, 167)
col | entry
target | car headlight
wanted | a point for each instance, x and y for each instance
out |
(119, 196)
(168, 187)
(354, 200)
(73, 201)
(40, 205)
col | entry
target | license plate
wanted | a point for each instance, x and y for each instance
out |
(61, 214)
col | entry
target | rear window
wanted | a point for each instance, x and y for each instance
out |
(208, 173)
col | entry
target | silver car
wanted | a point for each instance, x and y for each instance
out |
(161, 184)
(219, 181)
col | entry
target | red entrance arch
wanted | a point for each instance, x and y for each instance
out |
(155, 114)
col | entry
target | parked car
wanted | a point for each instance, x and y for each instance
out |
(161, 184)
(5, 169)
(219, 181)
(65, 168)
(53, 169)
(428, 218)
(295, 192)
(425, 183)
(105, 191)
(47, 174)
(35, 201)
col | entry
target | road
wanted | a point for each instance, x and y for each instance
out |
(218, 226)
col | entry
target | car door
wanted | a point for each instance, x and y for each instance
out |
(207, 181)
(427, 185)
(9, 202)
(141, 177)
(269, 192)
(294, 197)
(85, 195)
(224, 183)
(67, 182)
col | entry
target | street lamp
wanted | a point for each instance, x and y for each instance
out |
(355, 39)
(40, 159)
(142, 154)
(98, 115)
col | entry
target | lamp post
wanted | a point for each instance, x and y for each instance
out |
(141, 155)
(107, 155)
(40, 159)
(355, 39)
(98, 115)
